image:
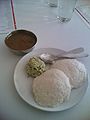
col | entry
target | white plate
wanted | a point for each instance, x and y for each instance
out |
(23, 84)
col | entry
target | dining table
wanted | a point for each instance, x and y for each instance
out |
(38, 17)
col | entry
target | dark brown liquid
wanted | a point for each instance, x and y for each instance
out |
(21, 41)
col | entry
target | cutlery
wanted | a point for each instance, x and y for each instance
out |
(72, 54)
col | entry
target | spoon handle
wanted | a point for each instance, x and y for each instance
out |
(74, 56)
(69, 53)
(75, 51)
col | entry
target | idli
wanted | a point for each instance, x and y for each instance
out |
(74, 69)
(51, 88)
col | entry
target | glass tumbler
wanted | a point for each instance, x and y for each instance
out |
(65, 10)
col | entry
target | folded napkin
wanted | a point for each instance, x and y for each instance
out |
(83, 7)
(6, 22)
(85, 12)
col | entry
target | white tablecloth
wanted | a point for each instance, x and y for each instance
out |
(64, 36)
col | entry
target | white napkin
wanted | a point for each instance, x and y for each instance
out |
(85, 10)
(83, 6)
(6, 21)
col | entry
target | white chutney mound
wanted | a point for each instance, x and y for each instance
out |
(74, 69)
(51, 88)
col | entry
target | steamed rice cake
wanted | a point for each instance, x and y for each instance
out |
(74, 69)
(51, 88)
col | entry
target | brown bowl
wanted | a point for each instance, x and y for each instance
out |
(21, 41)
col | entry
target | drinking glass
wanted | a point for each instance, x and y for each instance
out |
(65, 9)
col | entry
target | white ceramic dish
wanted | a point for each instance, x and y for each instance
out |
(23, 84)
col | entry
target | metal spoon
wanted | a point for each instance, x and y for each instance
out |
(72, 54)
(75, 51)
